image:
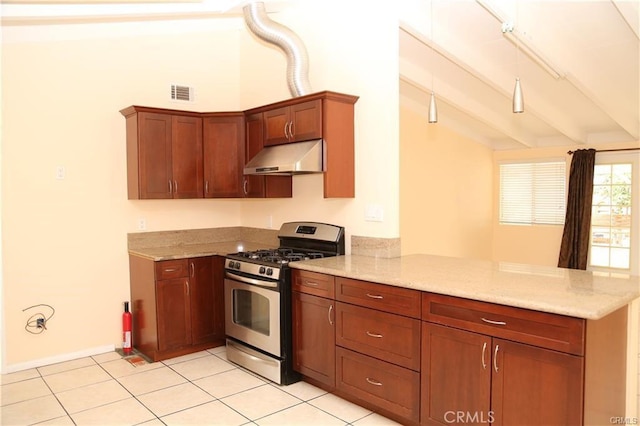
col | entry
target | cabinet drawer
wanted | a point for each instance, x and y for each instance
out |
(385, 385)
(169, 269)
(313, 283)
(397, 300)
(389, 337)
(552, 331)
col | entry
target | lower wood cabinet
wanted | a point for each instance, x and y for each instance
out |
(177, 305)
(431, 359)
(314, 338)
(473, 378)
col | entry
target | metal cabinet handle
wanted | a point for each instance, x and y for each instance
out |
(193, 269)
(170, 188)
(291, 129)
(377, 336)
(186, 282)
(374, 296)
(329, 314)
(484, 349)
(286, 135)
(311, 283)
(244, 186)
(206, 187)
(495, 358)
(373, 382)
(488, 321)
(175, 186)
(170, 269)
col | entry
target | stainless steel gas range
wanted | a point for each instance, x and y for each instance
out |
(257, 290)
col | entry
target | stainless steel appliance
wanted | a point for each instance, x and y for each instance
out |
(257, 291)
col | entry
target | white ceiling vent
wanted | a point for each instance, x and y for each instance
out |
(181, 93)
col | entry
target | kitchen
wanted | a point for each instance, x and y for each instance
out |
(75, 227)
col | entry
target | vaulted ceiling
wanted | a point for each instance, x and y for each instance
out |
(577, 62)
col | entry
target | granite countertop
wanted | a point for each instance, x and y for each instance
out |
(182, 251)
(581, 294)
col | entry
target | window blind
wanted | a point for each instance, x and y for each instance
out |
(533, 193)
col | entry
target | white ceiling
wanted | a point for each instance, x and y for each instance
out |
(460, 51)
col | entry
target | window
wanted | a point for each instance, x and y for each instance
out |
(533, 193)
(613, 238)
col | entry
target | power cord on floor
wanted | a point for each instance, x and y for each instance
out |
(38, 321)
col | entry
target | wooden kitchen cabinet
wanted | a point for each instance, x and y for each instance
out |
(224, 156)
(324, 115)
(497, 381)
(177, 305)
(164, 153)
(314, 327)
(469, 367)
(260, 186)
(295, 123)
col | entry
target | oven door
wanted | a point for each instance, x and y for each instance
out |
(252, 314)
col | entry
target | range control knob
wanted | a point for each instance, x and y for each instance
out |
(237, 265)
(269, 271)
(262, 270)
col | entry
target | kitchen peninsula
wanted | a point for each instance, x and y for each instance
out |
(494, 341)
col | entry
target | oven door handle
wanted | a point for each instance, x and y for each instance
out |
(251, 280)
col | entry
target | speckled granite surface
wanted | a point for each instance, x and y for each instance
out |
(575, 293)
(168, 245)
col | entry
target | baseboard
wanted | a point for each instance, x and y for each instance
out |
(58, 358)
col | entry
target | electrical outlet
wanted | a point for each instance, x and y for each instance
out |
(142, 224)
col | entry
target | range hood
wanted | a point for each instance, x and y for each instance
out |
(288, 159)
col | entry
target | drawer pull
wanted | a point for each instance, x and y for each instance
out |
(373, 382)
(488, 321)
(170, 269)
(495, 358)
(484, 349)
(311, 283)
(374, 296)
(377, 336)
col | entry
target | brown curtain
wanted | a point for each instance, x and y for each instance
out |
(577, 224)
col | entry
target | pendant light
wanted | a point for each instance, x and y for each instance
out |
(518, 98)
(433, 109)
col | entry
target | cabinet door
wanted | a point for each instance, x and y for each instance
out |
(276, 126)
(154, 155)
(535, 386)
(314, 338)
(187, 157)
(306, 119)
(223, 156)
(174, 313)
(202, 295)
(456, 376)
(253, 185)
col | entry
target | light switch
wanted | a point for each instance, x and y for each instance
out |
(374, 213)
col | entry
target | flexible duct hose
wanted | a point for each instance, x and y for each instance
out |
(270, 31)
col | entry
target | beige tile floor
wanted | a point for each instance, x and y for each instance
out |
(196, 389)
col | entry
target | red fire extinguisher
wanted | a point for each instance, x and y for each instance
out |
(126, 330)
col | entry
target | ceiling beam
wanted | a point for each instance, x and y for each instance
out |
(552, 116)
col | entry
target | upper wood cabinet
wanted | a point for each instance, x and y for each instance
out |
(295, 123)
(223, 146)
(256, 186)
(324, 115)
(164, 153)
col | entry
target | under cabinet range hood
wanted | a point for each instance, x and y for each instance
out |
(288, 159)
